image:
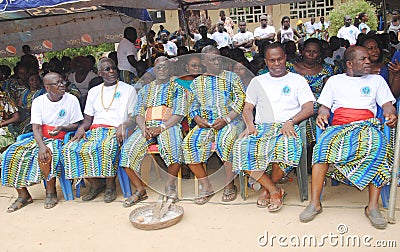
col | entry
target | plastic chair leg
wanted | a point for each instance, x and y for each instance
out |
(124, 182)
(66, 187)
(385, 194)
(301, 171)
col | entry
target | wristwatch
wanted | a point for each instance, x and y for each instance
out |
(228, 119)
(163, 127)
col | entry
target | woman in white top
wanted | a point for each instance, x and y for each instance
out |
(286, 33)
(363, 27)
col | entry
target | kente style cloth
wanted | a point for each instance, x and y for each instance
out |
(258, 152)
(95, 157)
(98, 155)
(213, 97)
(156, 103)
(316, 83)
(20, 166)
(359, 152)
(127, 76)
(19, 163)
(7, 109)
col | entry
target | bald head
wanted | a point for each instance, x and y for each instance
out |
(50, 77)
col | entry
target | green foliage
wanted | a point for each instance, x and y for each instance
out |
(96, 51)
(352, 8)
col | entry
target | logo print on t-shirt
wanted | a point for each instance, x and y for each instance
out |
(117, 95)
(365, 91)
(286, 90)
(61, 113)
(351, 31)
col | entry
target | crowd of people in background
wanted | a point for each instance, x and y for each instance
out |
(308, 50)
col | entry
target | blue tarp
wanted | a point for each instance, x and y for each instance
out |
(16, 5)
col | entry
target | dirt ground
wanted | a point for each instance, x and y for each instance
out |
(239, 226)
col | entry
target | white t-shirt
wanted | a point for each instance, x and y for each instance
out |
(126, 48)
(222, 38)
(286, 35)
(171, 48)
(343, 91)
(278, 99)
(364, 26)
(350, 33)
(197, 36)
(243, 37)
(339, 53)
(122, 105)
(310, 28)
(60, 113)
(319, 25)
(262, 32)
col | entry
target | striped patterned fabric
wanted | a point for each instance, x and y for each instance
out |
(197, 145)
(95, 157)
(359, 152)
(215, 96)
(169, 147)
(127, 77)
(267, 147)
(169, 94)
(19, 163)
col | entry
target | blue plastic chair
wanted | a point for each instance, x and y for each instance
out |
(385, 191)
(65, 184)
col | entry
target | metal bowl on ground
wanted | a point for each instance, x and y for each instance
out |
(141, 217)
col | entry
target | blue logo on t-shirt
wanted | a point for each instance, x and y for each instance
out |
(117, 95)
(286, 90)
(61, 113)
(365, 91)
(351, 31)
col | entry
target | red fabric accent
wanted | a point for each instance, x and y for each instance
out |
(47, 128)
(94, 126)
(349, 115)
(185, 125)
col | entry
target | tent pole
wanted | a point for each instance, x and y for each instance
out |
(185, 24)
(395, 171)
(385, 19)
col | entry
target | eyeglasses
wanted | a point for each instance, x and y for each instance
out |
(58, 83)
(107, 69)
(195, 65)
(159, 67)
(263, 20)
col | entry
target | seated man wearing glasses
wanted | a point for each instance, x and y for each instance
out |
(27, 162)
(93, 152)
(264, 33)
(161, 106)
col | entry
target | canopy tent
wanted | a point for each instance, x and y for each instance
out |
(57, 28)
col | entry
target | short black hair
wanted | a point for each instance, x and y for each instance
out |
(272, 46)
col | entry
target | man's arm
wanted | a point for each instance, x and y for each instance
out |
(132, 60)
(44, 152)
(307, 110)
(85, 125)
(248, 120)
(323, 115)
(389, 112)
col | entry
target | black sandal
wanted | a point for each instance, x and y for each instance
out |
(94, 192)
(131, 200)
(51, 200)
(19, 203)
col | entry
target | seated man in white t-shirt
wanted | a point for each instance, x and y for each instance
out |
(33, 159)
(271, 148)
(94, 150)
(264, 32)
(354, 144)
(243, 39)
(221, 37)
(127, 56)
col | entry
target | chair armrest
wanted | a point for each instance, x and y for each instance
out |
(24, 136)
